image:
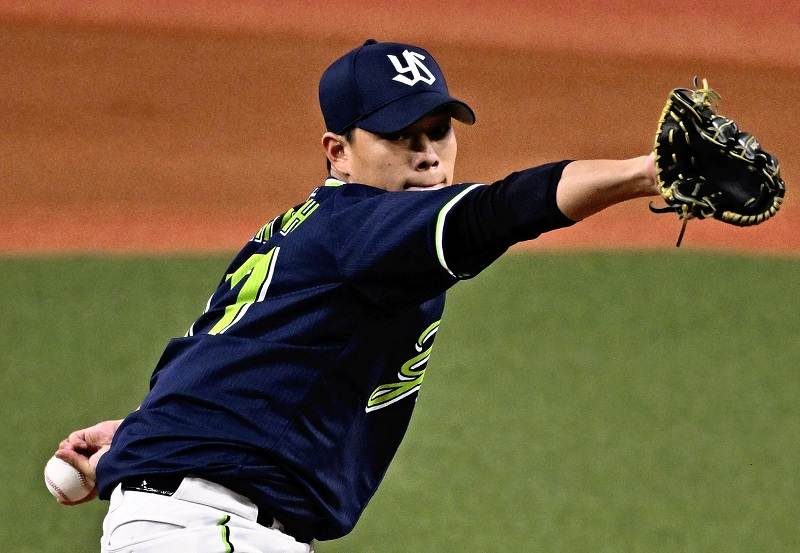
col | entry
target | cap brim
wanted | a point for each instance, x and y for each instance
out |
(409, 109)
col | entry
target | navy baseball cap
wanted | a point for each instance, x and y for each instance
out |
(383, 87)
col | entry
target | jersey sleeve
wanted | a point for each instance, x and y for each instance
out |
(516, 208)
(399, 247)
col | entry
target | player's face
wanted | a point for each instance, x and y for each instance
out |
(420, 157)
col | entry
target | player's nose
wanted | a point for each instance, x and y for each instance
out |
(426, 157)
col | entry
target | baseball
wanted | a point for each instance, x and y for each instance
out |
(64, 481)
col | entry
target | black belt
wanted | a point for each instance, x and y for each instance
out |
(168, 485)
(158, 484)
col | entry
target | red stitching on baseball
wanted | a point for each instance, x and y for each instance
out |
(84, 483)
(57, 489)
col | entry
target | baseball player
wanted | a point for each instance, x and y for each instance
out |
(271, 423)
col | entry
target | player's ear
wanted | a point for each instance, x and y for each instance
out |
(336, 152)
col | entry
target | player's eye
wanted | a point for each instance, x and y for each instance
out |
(395, 136)
(438, 133)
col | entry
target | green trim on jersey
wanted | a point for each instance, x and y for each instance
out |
(440, 226)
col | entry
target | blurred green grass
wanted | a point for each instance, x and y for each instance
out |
(574, 402)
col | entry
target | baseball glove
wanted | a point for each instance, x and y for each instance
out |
(707, 167)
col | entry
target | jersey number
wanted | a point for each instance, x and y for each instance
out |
(257, 272)
(258, 269)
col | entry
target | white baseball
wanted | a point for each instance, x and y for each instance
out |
(65, 481)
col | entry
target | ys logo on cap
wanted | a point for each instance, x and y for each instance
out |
(414, 67)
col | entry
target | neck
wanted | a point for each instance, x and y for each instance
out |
(337, 175)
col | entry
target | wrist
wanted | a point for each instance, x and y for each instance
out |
(649, 183)
(632, 178)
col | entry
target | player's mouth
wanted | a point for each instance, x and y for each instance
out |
(417, 187)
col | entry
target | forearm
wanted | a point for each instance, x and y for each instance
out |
(589, 186)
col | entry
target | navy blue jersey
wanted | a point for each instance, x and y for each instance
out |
(297, 383)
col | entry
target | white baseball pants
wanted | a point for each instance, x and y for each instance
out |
(200, 517)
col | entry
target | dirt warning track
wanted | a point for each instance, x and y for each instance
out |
(145, 129)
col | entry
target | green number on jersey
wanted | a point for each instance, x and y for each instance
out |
(257, 271)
